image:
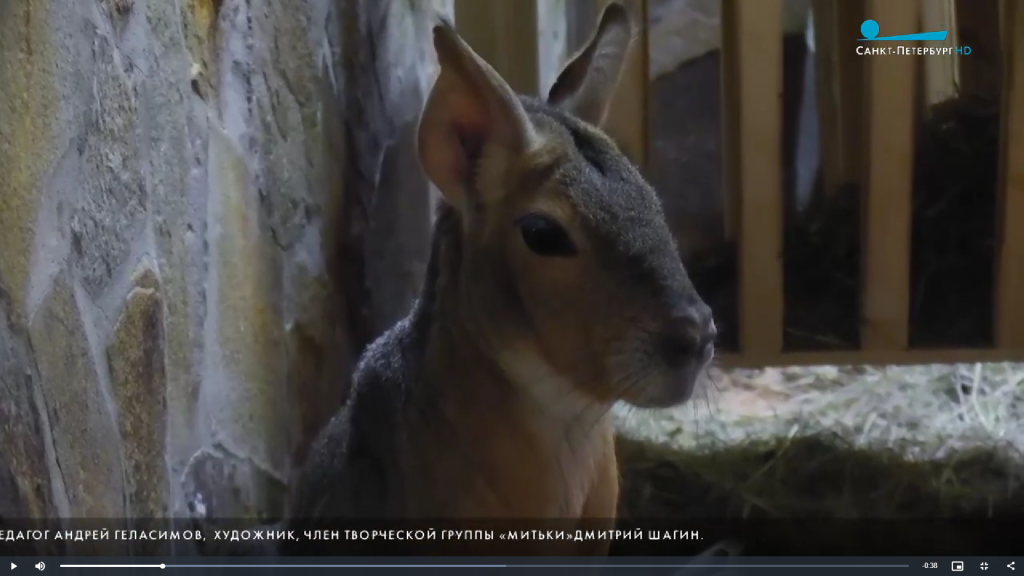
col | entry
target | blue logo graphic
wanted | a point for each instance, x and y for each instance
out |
(869, 29)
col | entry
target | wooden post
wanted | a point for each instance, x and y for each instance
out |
(885, 259)
(504, 33)
(826, 54)
(840, 87)
(627, 120)
(977, 26)
(1009, 299)
(731, 134)
(752, 89)
(939, 71)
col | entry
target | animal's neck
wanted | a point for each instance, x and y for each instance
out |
(520, 439)
(470, 373)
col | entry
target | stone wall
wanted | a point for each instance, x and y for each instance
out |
(195, 197)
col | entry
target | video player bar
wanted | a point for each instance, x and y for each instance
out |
(762, 566)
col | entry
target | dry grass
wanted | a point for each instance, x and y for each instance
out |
(833, 442)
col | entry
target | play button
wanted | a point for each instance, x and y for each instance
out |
(13, 565)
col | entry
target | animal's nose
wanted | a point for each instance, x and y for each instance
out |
(689, 335)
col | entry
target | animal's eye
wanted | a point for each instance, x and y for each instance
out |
(545, 237)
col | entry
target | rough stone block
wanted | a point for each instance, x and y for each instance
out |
(11, 503)
(198, 19)
(284, 183)
(111, 208)
(246, 404)
(85, 435)
(291, 116)
(136, 361)
(318, 358)
(28, 115)
(22, 428)
(175, 129)
(388, 87)
(224, 487)
(12, 506)
(398, 241)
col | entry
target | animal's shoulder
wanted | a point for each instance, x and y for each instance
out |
(386, 370)
(389, 363)
(353, 465)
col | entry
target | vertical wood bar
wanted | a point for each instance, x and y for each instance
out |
(1004, 27)
(826, 52)
(840, 78)
(731, 134)
(885, 259)
(1010, 270)
(849, 16)
(627, 119)
(504, 33)
(752, 76)
(977, 26)
(939, 71)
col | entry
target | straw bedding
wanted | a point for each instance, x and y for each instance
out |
(833, 442)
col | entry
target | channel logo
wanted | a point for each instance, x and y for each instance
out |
(869, 29)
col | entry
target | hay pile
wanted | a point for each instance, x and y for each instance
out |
(953, 238)
(925, 442)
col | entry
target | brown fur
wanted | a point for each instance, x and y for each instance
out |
(491, 399)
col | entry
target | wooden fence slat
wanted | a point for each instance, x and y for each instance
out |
(752, 77)
(980, 72)
(1010, 280)
(885, 259)
(840, 97)
(939, 71)
(731, 135)
(826, 52)
(627, 119)
(504, 33)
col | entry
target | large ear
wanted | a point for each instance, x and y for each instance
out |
(469, 108)
(587, 83)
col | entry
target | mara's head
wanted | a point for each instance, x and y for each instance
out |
(566, 256)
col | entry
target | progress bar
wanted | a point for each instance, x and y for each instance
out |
(162, 566)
